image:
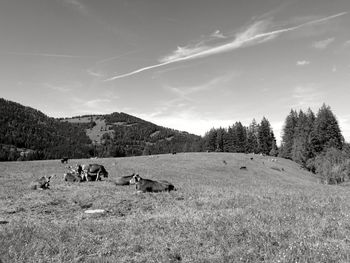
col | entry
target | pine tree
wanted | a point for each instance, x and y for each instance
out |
(252, 137)
(326, 132)
(288, 135)
(301, 150)
(265, 136)
(219, 145)
(228, 140)
(241, 138)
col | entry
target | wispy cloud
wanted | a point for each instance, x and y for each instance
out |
(303, 63)
(323, 44)
(63, 87)
(213, 83)
(308, 95)
(252, 35)
(78, 5)
(218, 34)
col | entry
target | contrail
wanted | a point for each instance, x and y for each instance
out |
(235, 44)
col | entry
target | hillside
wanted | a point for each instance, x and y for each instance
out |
(28, 134)
(272, 211)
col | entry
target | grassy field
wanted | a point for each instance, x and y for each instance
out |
(269, 212)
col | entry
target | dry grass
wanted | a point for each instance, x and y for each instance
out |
(220, 213)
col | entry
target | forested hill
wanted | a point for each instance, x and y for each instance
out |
(121, 134)
(28, 134)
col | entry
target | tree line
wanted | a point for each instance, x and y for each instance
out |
(256, 138)
(316, 143)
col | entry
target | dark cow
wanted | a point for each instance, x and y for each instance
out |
(124, 180)
(72, 177)
(42, 183)
(64, 160)
(147, 185)
(92, 171)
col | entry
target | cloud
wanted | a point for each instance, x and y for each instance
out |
(78, 5)
(344, 124)
(63, 87)
(211, 84)
(303, 62)
(323, 44)
(218, 34)
(308, 95)
(252, 35)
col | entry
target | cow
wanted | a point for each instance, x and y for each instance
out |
(42, 183)
(124, 180)
(72, 177)
(64, 160)
(90, 170)
(147, 185)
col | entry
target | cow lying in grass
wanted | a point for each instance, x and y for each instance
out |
(42, 183)
(92, 171)
(147, 185)
(72, 177)
(124, 180)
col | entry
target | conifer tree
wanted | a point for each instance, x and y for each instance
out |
(241, 138)
(301, 149)
(288, 135)
(220, 135)
(252, 137)
(326, 132)
(265, 136)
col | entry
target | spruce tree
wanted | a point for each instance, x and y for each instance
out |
(241, 138)
(326, 132)
(288, 135)
(301, 150)
(252, 137)
(265, 136)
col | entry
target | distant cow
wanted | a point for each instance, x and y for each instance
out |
(42, 183)
(146, 185)
(125, 180)
(92, 170)
(72, 177)
(64, 160)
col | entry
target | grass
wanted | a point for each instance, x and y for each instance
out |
(220, 213)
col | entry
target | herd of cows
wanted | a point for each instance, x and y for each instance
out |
(94, 172)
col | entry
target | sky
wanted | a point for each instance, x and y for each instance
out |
(189, 65)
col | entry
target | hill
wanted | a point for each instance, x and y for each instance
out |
(272, 211)
(28, 134)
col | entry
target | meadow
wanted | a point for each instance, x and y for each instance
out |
(268, 212)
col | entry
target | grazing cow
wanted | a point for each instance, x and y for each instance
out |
(72, 177)
(91, 170)
(64, 160)
(146, 185)
(41, 183)
(124, 180)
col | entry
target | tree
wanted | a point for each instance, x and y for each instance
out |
(252, 137)
(326, 132)
(241, 138)
(288, 135)
(301, 149)
(265, 136)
